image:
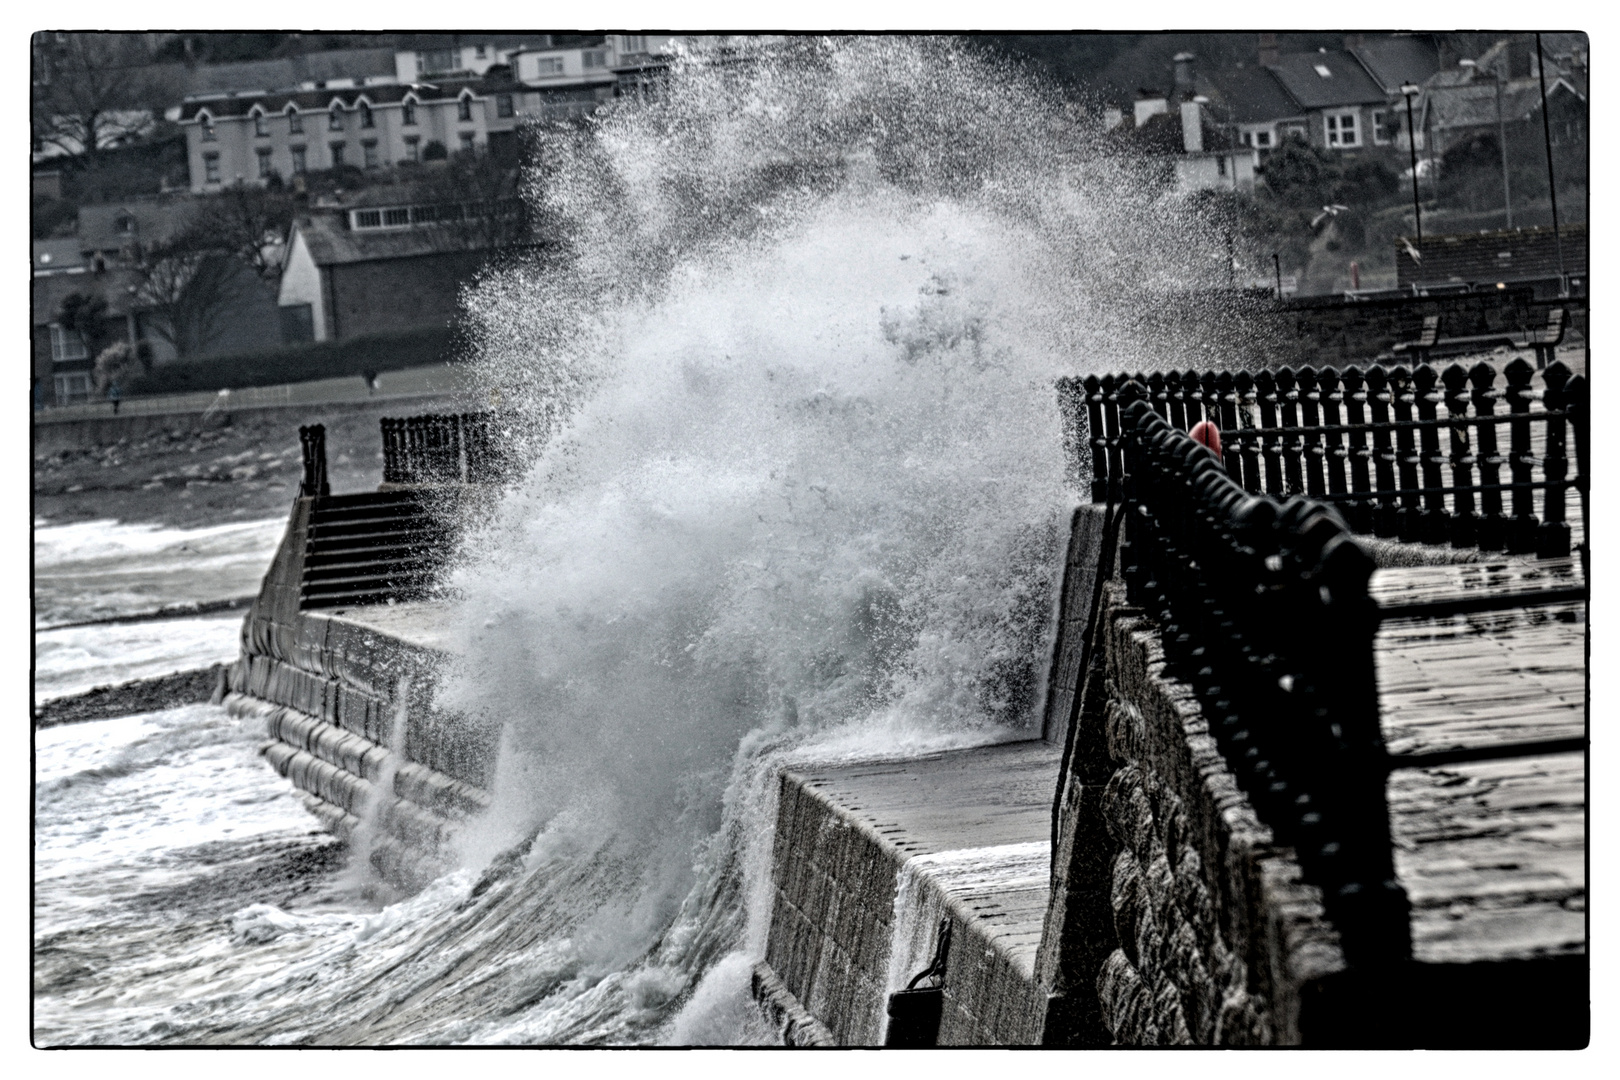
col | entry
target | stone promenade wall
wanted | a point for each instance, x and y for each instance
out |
(1175, 919)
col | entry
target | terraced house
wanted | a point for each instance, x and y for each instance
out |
(250, 136)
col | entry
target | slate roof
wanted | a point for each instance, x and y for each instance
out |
(332, 244)
(60, 253)
(1346, 84)
(268, 75)
(1474, 104)
(1250, 95)
(154, 222)
(1396, 61)
(113, 285)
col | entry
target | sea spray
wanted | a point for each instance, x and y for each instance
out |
(796, 464)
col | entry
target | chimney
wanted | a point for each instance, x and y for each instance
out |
(1268, 49)
(1184, 76)
(1192, 127)
(1150, 104)
(1354, 41)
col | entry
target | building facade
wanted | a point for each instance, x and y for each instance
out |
(248, 137)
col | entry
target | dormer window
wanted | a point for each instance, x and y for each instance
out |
(409, 118)
(334, 119)
(261, 125)
(125, 224)
(481, 51)
(295, 121)
(366, 119)
(464, 109)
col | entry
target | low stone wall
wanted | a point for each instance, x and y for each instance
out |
(869, 858)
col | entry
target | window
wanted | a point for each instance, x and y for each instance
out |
(548, 65)
(334, 119)
(1262, 138)
(367, 219)
(366, 119)
(1322, 70)
(593, 58)
(126, 224)
(409, 117)
(398, 215)
(264, 162)
(261, 125)
(437, 60)
(1220, 165)
(295, 122)
(467, 145)
(211, 168)
(368, 152)
(633, 43)
(464, 109)
(299, 160)
(503, 105)
(1341, 129)
(337, 155)
(413, 148)
(1386, 126)
(72, 386)
(207, 123)
(67, 344)
(480, 51)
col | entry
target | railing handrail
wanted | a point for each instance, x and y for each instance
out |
(443, 448)
(1308, 430)
(1264, 610)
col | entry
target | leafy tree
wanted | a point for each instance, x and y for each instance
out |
(1300, 175)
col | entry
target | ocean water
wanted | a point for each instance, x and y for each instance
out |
(792, 488)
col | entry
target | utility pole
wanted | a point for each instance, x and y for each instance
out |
(1411, 142)
(1552, 186)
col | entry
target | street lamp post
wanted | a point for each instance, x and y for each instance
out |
(1407, 91)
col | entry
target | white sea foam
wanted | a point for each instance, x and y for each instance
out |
(74, 659)
(104, 569)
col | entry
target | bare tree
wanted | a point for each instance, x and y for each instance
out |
(92, 91)
(479, 202)
(250, 221)
(188, 284)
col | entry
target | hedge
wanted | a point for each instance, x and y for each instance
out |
(302, 363)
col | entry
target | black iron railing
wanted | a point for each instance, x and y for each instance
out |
(439, 449)
(1264, 611)
(1370, 442)
(312, 440)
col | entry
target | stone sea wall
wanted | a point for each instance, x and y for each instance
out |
(346, 707)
